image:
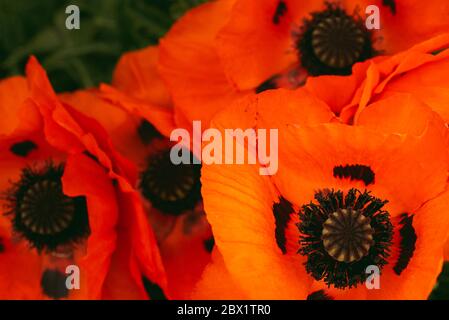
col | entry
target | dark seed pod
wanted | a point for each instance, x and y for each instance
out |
(171, 188)
(41, 213)
(337, 41)
(347, 235)
(56, 210)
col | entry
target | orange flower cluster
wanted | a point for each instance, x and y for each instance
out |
(87, 179)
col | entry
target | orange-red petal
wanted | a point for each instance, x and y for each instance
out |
(191, 67)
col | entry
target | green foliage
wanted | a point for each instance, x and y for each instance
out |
(82, 58)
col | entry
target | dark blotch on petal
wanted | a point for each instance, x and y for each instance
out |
(2, 247)
(282, 211)
(209, 244)
(391, 4)
(53, 284)
(153, 290)
(407, 245)
(147, 132)
(91, 156)
(268, 84)
(319, 295)
(22, 149)
(355, 172)
(281, 10)
(441, 290)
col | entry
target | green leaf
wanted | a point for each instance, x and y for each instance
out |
(76, 59)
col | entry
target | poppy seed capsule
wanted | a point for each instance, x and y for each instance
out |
(45, 210)
(41, 212)
(171, 188)
(347, 235)
(337, 41)
(332, 41)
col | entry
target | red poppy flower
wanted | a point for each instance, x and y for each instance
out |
(263, 39)
(420, 71)
(384, 179)
(137, 114)
(69, 200)
(228, 48)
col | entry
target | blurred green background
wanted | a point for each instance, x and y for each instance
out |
(81, 58)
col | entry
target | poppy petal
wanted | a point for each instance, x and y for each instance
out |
(185, 257)
(190, 64)
(103, 214)
(257, 42)
(136, 74)
(405, 23)
(431, 227)
(13, 91)
(318, 150)
(216, 283)
(247, 241)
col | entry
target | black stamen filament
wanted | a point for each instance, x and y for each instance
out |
(342, 234)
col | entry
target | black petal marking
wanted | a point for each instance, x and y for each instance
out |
(282, 211)
(355, 172)
(22, 149)
(391, 4)
(267, 85)
(408, 241)
(153, 290)
(91, 156)
(281, 9)
(2, 246)
(441, 289)
(209, 244)
(53, 284)
(147, 132)
(319, 295)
